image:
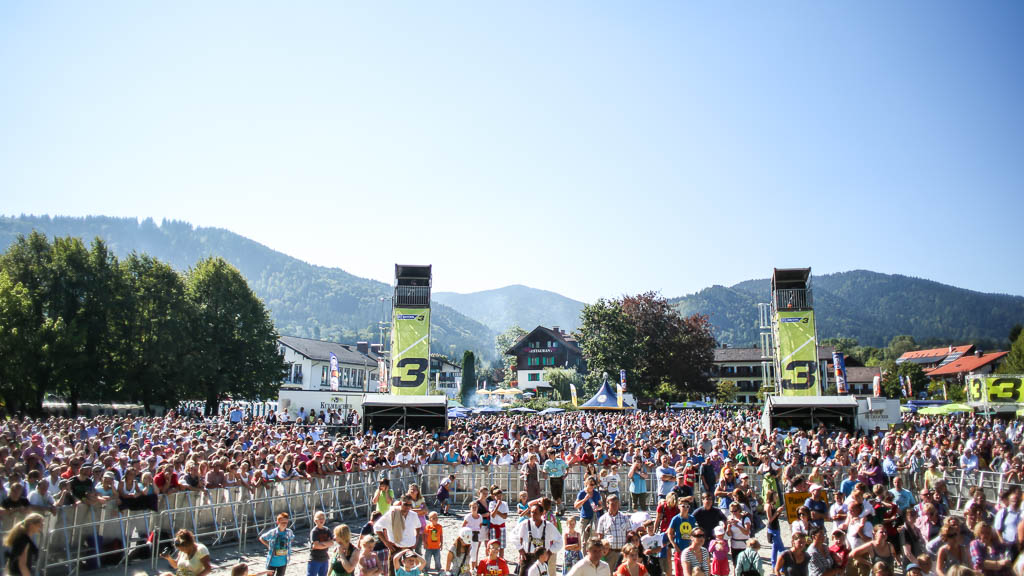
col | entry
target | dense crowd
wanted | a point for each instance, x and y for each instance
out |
(698, 490)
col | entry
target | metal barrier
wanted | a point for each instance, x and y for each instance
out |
(74, 539)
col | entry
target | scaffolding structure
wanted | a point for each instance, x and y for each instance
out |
(791, 302)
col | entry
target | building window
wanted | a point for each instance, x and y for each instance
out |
(325, 375)
(533, 377)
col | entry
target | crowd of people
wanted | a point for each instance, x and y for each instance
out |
(700, 489)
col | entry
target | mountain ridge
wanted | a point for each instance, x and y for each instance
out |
(320, 302)
(304, 299)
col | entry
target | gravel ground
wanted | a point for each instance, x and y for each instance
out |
(254, 555)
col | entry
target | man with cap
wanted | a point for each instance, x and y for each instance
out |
(817, 505)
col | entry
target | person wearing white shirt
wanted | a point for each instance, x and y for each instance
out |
(505, 459)
(499, 512)
(537, 533)
(592, 565)
(397, 528)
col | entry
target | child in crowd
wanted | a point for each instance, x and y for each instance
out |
(572, 545)
(493, 564)
(474, 521)
(369, 562)
(654, 544)
(523, 506)
(409, 563)
(433, 538)
(631, 564)
(320, 541)
(444, 492)
(458, 562)
(720, 552)
(540, 566)
(278, 541)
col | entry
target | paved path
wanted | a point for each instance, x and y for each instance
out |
(254, 554)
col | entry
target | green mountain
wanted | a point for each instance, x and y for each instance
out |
(869, 306)
(528, 307)
(304, 300)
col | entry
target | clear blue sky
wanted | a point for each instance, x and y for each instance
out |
(590, 148)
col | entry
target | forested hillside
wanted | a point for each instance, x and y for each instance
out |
(870, 307)
(304, 300)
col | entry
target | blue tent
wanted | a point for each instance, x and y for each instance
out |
(551, 411)
(605, 399)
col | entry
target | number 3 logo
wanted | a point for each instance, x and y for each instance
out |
(415, 372)
(1005, 390)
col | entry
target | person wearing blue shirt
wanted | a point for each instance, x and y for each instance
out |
(679, 534)
(889, 467)
(555, 468)
(901, 496)
(666, 475)
(588, 502)
(817, 505)
(847, 485)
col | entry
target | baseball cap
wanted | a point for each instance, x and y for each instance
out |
(815, 487)
(466, 534)
(719, 531)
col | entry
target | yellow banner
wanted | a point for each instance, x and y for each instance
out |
(798, 353)
(794, 500)
(996, 389)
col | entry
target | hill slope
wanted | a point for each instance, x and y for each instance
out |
(869, 306)
(304, 300)
(528, 307)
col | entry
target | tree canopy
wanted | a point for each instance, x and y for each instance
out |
(77, 323)
(663, 353)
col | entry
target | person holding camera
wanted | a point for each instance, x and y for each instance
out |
(192, 559)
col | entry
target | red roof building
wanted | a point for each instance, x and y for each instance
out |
(977, 363)
(936, 357)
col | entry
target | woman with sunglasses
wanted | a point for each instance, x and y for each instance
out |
(952, 552)
(696, 557)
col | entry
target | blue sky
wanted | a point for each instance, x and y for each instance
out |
(590, 148)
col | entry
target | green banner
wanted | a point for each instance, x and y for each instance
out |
(995, 389)
(798, 353)
(410, 351)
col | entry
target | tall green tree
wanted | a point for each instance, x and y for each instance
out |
(235, 345)
(609, 340)
(155, 338)
(468, 387)
(16, 344)
(28, 263)
(664, 354)
(1014, 361)
(502, 342)
(1015, 332)
(891, 372)
(560, 379)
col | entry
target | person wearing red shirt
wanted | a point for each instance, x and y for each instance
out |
(494, 564)
(166, 480)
